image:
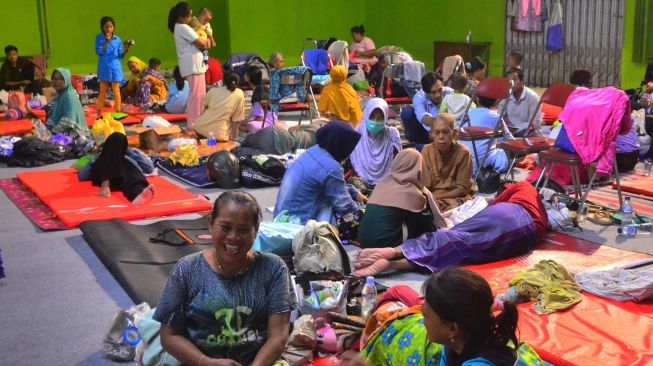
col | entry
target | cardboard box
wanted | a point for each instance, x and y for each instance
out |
(156, 139)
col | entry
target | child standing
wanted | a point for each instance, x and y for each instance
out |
(110, 49)
(456, 102)
(202, 26)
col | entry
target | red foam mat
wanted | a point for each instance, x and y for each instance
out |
(91, 115)
(15, 127)
(75, 202)
(167, 116)
(594, 332)
(643, 185)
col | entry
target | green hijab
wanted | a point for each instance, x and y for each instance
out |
(67, 106)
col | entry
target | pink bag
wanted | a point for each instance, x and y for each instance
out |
(17, 101)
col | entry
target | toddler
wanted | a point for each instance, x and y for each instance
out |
(456, 102)
(202, 26)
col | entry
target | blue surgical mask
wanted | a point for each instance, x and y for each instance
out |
(374, 127)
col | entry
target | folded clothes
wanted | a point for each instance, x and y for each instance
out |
(619, 284)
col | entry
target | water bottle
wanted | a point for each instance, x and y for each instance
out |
(369, 297)
(511, 295)
(211, 141)
(634, 230)
(469, 37)
(626, 212)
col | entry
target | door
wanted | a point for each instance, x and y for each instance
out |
(593, 31)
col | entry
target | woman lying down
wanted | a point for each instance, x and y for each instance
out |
(513, 224)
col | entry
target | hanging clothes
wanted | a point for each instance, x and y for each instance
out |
(527, 15)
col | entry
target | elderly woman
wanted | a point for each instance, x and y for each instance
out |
(447, 165)
(399, 198)
(227, 305)
(276, 61)
(372, 158)
(67, 116)
(314, 187)
(339, 100)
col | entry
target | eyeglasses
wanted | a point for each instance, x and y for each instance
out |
(441, 132)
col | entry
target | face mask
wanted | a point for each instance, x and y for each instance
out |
(374, 127)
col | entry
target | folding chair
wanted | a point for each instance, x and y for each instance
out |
(495, 88)
(289, 79)
(395, 72)
(557, 156)
(315, 60)
(556, 95)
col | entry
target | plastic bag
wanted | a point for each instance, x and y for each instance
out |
(120, 342)
(105, 126)
(325, 296)
(42, 132)
(276, 237)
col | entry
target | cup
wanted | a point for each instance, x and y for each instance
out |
(647, 167)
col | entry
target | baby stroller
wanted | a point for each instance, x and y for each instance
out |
(240, 62)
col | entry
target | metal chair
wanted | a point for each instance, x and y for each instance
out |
(494, 88)
(556, 95)
(557, 156)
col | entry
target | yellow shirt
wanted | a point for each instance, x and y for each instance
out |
(223, 107)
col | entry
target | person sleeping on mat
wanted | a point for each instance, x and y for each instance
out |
(228, 305)
(116, 168)
(513, 224)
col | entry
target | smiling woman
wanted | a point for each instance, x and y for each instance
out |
(227, 303)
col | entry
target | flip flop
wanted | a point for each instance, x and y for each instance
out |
(600, 217)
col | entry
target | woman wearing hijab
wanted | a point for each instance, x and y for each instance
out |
(339, 100)
(314, 187)
(67, 116)
(112, 171)
(372, 157)
(137, 68)
(513, 224)
(399, 198)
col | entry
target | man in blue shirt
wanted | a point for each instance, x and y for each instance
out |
(426, 105)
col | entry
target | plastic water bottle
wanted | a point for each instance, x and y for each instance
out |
(626, 212)
(634, 230)
(369, 297)
(211, 141)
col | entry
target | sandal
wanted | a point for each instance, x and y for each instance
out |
(600, 217)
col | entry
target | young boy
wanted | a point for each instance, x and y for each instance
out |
(202, 25)
(515, 59)
(456, 102)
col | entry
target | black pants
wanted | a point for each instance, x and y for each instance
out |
(111, 165)
(413, 129)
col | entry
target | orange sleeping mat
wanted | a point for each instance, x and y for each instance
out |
(75, 202)
(642, 186)
(91, 116)
(167, 116)
(596, 331)
(16, 127)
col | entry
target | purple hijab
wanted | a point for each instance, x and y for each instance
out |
(372, 157)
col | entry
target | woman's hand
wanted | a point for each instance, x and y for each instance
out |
(361, 198)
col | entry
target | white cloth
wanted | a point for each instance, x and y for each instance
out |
(455, 103)
(520, 111)
(189, 57)
(155, 122)
(465, 211)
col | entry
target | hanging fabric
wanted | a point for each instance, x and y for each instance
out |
(527, 15)
(555, 39)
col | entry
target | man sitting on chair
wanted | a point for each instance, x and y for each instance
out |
(521, 105)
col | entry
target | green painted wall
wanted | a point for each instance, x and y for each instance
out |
(416, 24)
(72, 33)
(265, 26)
(631, 72)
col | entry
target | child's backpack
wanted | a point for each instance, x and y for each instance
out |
(17, 100)
(317, 248)
(261, 171)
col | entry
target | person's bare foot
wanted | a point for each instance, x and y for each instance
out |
(375, 268)
(145, 197)
(367, 257)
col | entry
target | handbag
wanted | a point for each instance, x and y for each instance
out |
(488, 180)
(555, 39)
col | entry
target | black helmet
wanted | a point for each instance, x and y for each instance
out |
(224, 169)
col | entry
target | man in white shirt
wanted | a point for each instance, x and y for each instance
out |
(523, 103)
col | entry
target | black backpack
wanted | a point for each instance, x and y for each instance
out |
(31, 152)
(267, 174)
